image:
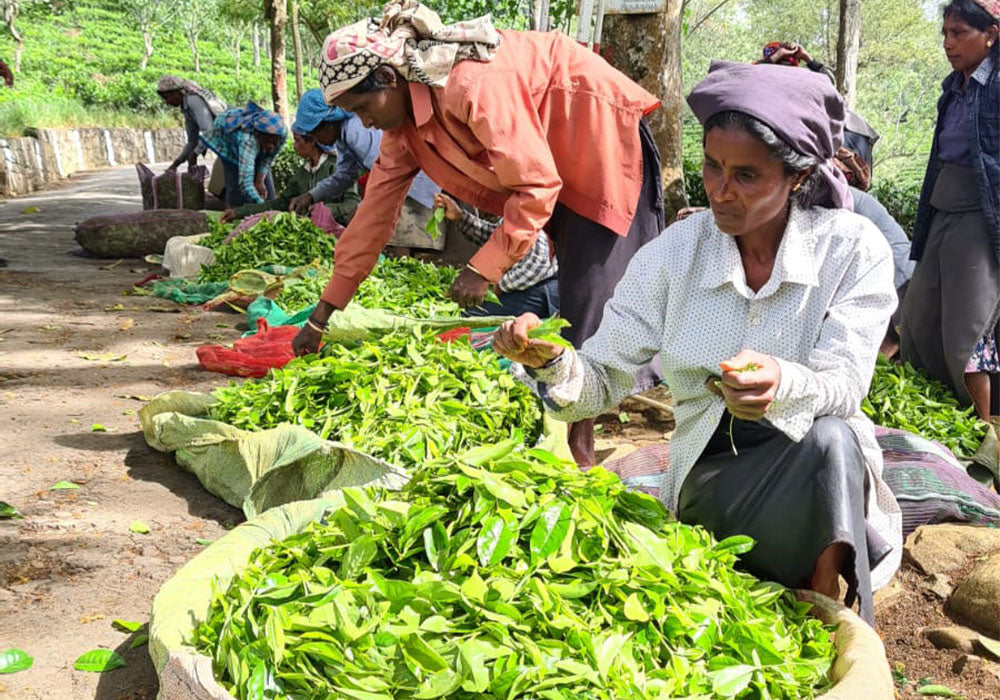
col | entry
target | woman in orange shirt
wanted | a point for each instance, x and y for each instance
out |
(525, 125)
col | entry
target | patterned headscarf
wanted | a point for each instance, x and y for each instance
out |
(254, 117)
(802, 107)
(991, 6)
(412, 39)
(313, 111)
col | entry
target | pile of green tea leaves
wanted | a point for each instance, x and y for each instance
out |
(509, 574)
(286, 239)
(405, 286)
(404, 398)
(217, 233)
(902, 396)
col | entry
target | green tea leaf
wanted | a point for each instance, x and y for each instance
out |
(359, 555)
(548, 331)
(98, 661)
(730, 681)
(433, 226)
(14, 660)
(494, 540)
(941, 691)
(126, 625)
(549, 532)
(63, 486)
(140, 640)
(203, 542)
(634, 609)
(98, 428)
(139, 527)
(9, 511)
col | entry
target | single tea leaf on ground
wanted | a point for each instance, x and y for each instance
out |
(140, 640)
(63, 486)
(98, 428)
(126, 625)
(139, 527)
(14, 660)
(9, 511)
(98, 661)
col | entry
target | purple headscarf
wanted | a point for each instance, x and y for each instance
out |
(802, 107)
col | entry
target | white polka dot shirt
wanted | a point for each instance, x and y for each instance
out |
(822, 315)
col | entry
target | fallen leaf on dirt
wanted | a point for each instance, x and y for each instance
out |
(14, 660)
(140, 640)
(99, 661)
(30, 210)
(116, 307)
(50, 327)
(102, 358)
(112, 266)
(222, 325)
(8, 511)
(126, 625)
(63, 486)
(74, 420)
(941, 691)
(139, 527)
(128, 412)
(134, 397)
(127, 325)
(992, 646)
(203, 542)
(98, 428)
(91, 618)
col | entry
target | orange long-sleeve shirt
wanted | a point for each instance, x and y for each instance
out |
(545, 121)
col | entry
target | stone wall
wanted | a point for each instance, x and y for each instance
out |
(45, 156)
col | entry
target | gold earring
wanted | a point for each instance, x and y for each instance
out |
(796, 188)
(989, 44)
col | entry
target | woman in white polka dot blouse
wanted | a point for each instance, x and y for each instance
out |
(767, 312)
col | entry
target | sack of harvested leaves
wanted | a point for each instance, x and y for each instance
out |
(504, 573)
(137, 234)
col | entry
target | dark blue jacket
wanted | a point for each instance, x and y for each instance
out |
(984, 146)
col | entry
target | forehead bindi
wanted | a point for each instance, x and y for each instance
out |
(734, 148)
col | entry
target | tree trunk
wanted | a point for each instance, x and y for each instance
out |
(276, 14)
(297, 42)
(193, 43)
(647, 48)
(147, 44)
(255, 36)
(848, 47)
(10, 19)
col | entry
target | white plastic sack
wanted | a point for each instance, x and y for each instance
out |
(183, 257)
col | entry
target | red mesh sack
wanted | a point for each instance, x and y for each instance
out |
(252, 356)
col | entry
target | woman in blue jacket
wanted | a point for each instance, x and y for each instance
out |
(951, 309)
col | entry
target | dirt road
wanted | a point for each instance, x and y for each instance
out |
(67, 362)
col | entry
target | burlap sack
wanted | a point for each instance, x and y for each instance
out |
(138, 234)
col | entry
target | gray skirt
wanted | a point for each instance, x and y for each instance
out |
(794, 498)
(953, 298)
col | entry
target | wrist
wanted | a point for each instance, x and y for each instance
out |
(547, 364)
(321, 314)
